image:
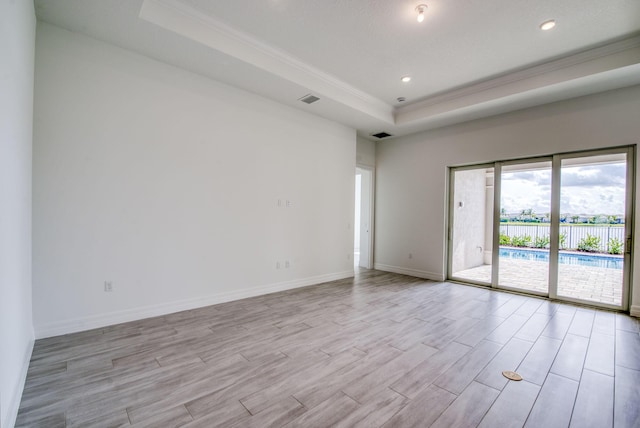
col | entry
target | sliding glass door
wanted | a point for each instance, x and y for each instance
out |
(471, 234)
(525, 217)
(559, 226)
(593, 200)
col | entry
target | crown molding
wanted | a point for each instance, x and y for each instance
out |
(592, 59)
(567, 75)
(175, 16)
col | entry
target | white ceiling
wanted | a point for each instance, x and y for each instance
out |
(468, 59)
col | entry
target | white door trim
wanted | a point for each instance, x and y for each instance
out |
(368, 263)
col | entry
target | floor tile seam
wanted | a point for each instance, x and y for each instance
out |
(626, 367)
(126, 410)
(425, 386)
(503, 344)
(559, 348)
(600, 373)
(565, 377)
(534, 404)
(446, 407)
(584, 359)
(398, 410)
(474, 378)
(245, 407)
(355, 400)
(492, 403)
(188, 412)
(566, 331)
(554, 358)
(434, 382)
(575, 400)
(458, 396)
(490, 386)
(542, 386)
(300, 402)
(490, 332)
(614, 348)
(182, 401)
(541, 330)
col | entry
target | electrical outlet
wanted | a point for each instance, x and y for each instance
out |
(108, 286)
(277, 265)
(287, 265)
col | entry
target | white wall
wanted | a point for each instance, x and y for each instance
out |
(469, 219)
(365, 152)
(17, 39)
(167, 184)
(411, 172)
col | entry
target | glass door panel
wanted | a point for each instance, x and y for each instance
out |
(554, 226)
(593, 203)
(471, 230)
(525, 219)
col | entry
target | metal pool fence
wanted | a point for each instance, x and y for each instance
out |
(573, 233)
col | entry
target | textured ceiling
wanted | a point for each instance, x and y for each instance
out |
(468, 59)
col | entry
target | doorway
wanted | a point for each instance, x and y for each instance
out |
(363, 234)
(556, 226)
(471, 231)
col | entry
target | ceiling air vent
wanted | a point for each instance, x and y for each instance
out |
(309, 99)
(382, 135)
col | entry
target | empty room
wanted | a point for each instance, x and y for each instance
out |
(356, 213)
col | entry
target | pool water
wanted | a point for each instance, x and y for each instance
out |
(600, 261)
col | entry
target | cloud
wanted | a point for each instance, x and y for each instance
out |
(594, 176)
(525, 176)
(595, 189)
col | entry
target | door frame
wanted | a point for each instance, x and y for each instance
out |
(450, 214)
(371, 171)
(497, 195)
(629, 225)
(556, 160)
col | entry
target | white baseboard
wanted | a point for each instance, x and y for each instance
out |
(635, 311)
(103, 320)
(411, 272)
(14, 404)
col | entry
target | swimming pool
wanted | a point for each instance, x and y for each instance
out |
(601, 261)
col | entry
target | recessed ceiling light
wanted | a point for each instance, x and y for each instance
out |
(421, 8)
(548, 25)
(406, 79)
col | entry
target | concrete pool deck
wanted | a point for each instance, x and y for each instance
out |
(593, 284)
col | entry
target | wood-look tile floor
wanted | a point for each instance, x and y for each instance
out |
(377, 350)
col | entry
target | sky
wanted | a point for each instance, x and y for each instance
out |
(588, 190)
